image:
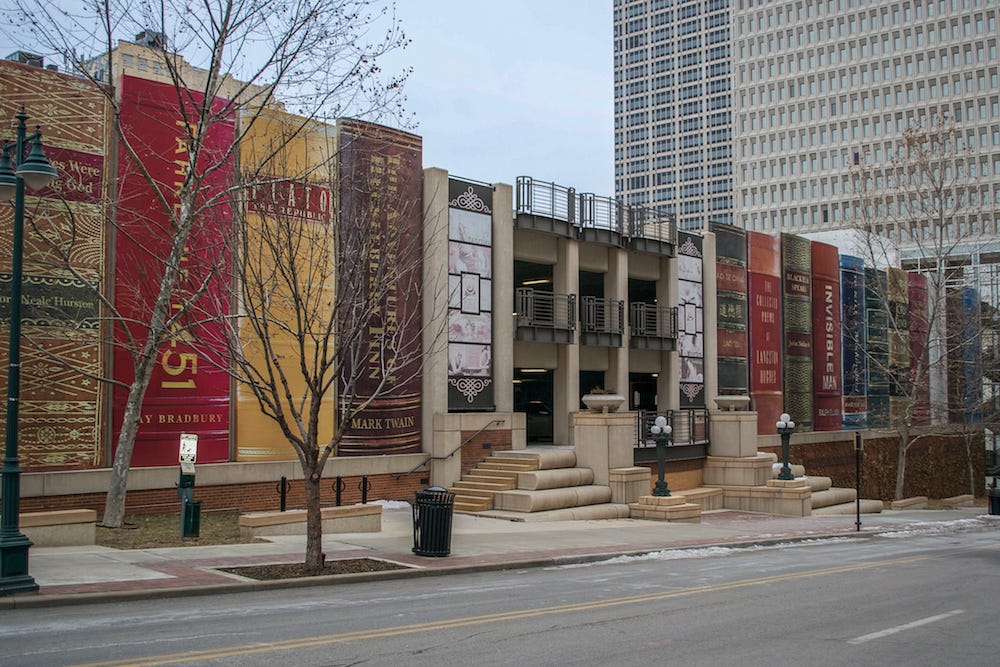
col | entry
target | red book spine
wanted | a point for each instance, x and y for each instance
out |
(764, 282)
(826, 337)
(188, 393)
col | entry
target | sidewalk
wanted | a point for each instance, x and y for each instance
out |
(76, 575)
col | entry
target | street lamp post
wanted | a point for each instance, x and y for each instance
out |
(785, 427)
(34, 171)
(661, 430)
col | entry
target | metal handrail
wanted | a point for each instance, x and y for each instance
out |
(546, 199)
(598, 212)
(690, 427)
(598, 315)
(452, 452)
(651, 223)
(650, 319)
(536, 308)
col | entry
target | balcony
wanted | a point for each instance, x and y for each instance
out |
(544, 317)
(652, 327)
(602, 220)
(558, 209)
(602, 321)
(545, 207)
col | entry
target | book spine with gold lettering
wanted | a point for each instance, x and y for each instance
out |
(897, 308)
(826, 310)
(764, 294)
(731, 296)
(877, 321)
(796, 266)
(853, 342)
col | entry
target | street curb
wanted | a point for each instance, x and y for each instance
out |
(73, 599)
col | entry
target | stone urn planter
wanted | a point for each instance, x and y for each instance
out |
(603, 402)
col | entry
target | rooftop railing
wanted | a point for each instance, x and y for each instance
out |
(590, 211)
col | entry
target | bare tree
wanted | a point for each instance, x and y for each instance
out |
(225, 64)
(926, 204)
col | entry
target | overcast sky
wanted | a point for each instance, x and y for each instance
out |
(512, 88)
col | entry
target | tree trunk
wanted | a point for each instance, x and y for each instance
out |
(314, 522)
(900, 467)
(114, 504)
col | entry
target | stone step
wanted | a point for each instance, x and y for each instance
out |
(469, 506)
(491, 475)
(672, 508)
(465, 483)
(466, 492)
(520, 500)
(582, 513)
(515, 466)
(544, 459)
(867, 507)
(797, 470)
(833, 496)
(554, 478)
(707, 497)
(819, 483)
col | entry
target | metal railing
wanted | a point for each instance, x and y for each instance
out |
(559, 202)
(535, 308)
(546, 199)
(599, 315)
(598, 212)
(649, 319)
(690, 427)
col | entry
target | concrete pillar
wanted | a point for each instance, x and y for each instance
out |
(616, 288)
(566, 379)
(668, 385)
(711, 315)
(604, 442)
(435, 305)
(503, 297)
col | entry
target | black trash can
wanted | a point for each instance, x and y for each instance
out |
(993, 494)
(432, 512)
(191, 521)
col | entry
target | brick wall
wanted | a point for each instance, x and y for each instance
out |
(261, 496)
(937, 466)
(482, 445)
(680, 475)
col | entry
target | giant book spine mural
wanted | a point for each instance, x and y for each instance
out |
(731, 296)
(189, 389)
(380, 187)
(288, 169)
(826, 309)
(877, 323)
(919, 358)
(853, 342)
(897, 308)
(796, 264)
(964, 347)
(764, 283)
(61, 414)
(470, 291)
(691, 320)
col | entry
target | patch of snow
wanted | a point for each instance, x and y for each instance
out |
(392, 504)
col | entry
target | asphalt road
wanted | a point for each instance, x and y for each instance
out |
(912, 600)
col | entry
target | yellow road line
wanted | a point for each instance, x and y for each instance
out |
(448, 624)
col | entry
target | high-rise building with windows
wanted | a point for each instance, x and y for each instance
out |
(761, 112)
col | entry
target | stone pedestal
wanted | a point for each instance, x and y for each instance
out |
(629, 484)
(665, 508)
(736, 471)
(785, 497)
(734, 434)
(603, 441)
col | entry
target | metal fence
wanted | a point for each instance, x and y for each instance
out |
(690, 427)
(559, 202)
(599, 315)
(649, 319)
(537, 308)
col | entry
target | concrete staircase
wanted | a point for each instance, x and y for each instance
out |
(826, 498)
(537, 484)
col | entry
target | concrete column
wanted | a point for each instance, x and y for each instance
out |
(566, 379)
(604, 442)
(711, 315)
(503, 297)
(616, 288)
(668, 385)
(435, 304)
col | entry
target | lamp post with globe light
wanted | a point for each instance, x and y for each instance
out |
(34, 171)
(661, 430)
(785, 427)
